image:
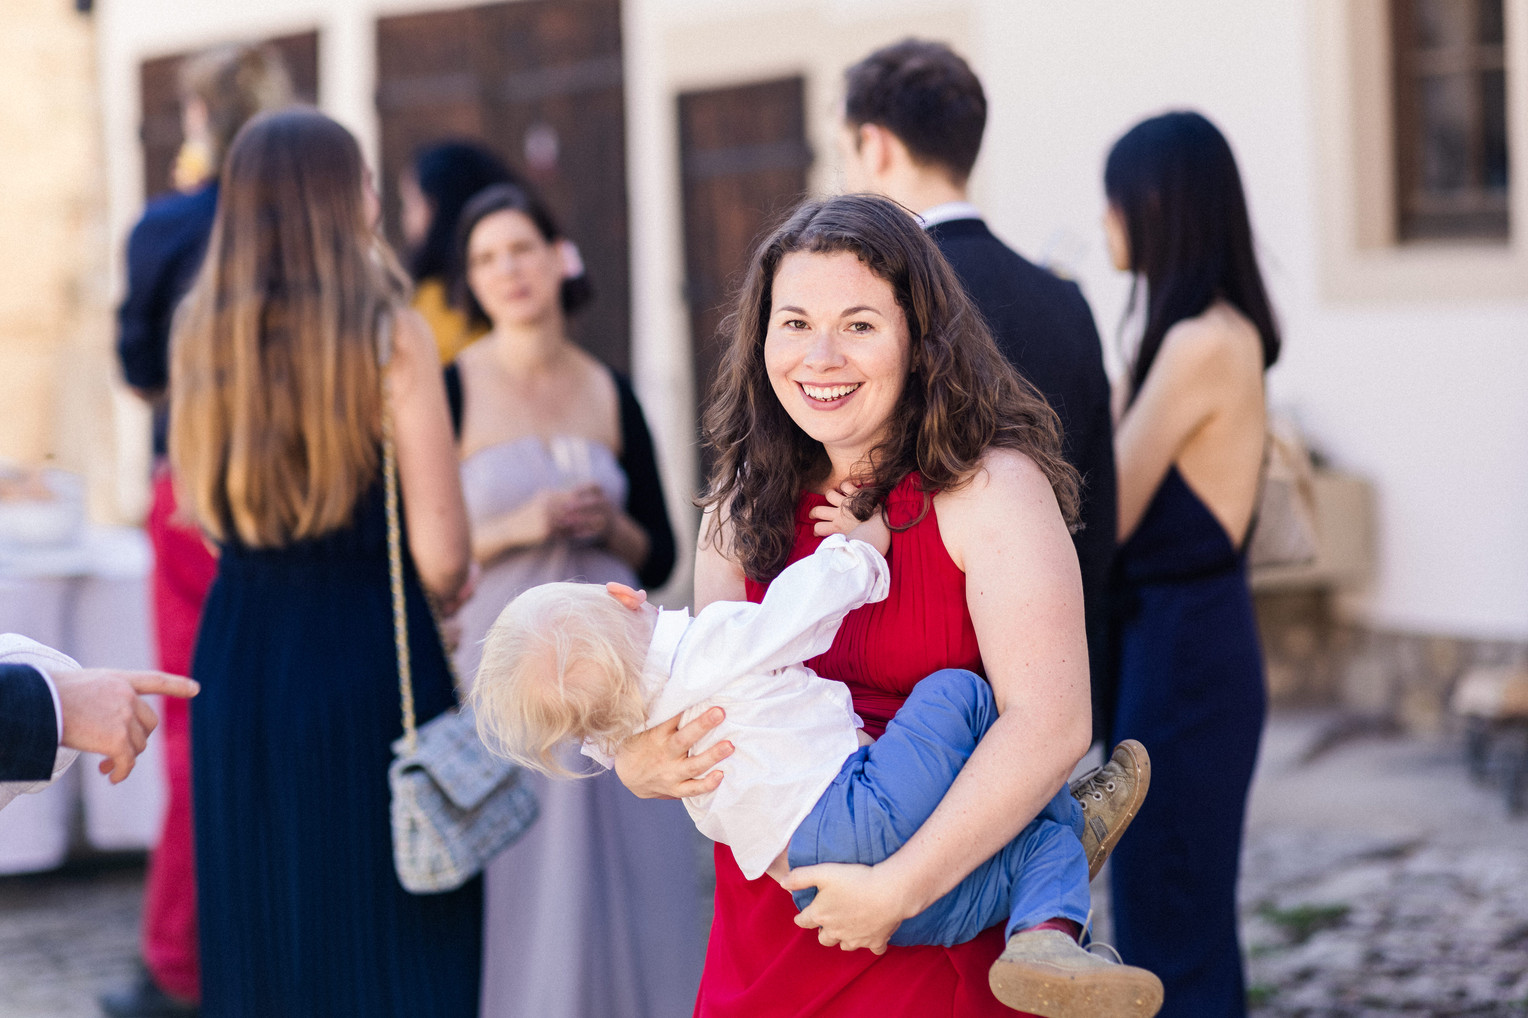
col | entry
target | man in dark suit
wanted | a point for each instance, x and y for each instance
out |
(49, 703)
(914, 114)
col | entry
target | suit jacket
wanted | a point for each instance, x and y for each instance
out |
(1044, 327)
(30, 756)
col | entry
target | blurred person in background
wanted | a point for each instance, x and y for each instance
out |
(220, 90)
(279, 358)
(596, 911)
(432, 191)
(1189, 448)
(914, 115)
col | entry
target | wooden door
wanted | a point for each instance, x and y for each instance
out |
(539, 82)
(160, 97)
(744, 161)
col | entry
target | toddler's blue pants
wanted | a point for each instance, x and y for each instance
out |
(885, 792)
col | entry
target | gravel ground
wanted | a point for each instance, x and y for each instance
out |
(1379, 881)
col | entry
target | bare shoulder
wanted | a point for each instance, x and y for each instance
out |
(1215, 343)
(1008, 498)
(1003, 478)
(596, 376)
(413, 342)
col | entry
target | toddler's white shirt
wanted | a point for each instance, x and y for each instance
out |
(791, 727)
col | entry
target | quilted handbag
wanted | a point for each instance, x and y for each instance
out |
(455, 805)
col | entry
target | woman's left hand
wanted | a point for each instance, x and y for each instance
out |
(856, 906)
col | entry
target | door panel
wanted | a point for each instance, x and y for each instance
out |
(744, 160)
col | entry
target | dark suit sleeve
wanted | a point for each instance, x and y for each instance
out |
(143, 320)
(1092, 439)
(28, 725)
(644, 499)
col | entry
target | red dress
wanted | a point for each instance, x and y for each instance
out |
(760, 964)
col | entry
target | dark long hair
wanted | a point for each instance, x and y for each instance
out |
(1173, 180)
(961, 396)
(449, 173)
(576, 292)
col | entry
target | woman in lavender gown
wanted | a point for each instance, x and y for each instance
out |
(561, 483)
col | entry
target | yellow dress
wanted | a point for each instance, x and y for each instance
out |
(453, 332)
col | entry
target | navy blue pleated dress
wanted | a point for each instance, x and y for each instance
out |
(301, 912)
(1191, 690)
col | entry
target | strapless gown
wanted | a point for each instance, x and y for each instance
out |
(597, 910)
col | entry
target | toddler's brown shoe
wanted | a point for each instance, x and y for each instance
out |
(1110, 797)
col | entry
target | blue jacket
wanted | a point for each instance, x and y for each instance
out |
(164, 253)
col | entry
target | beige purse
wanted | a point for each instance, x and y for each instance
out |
(1284, 530)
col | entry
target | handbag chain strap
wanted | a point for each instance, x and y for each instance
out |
(395, 571)
(395, 558)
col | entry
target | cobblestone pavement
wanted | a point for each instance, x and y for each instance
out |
(1378, 881)
(66, 937)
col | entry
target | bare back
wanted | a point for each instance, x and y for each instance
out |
(1201, 409)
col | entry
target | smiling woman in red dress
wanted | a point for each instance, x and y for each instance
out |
(857, 365)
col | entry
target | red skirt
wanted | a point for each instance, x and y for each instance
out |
(760, 964)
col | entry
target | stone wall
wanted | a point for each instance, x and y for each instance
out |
(55, 325)
(1314, 657)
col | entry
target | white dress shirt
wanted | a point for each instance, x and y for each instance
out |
(948, 212)
(791, 727)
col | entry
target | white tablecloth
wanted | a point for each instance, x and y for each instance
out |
(89, 600)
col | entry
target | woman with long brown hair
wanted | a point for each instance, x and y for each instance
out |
(858, 373)
(220, 90)
(280, 357)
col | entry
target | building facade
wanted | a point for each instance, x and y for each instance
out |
(1382, 143)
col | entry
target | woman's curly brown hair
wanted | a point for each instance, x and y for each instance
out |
(962, 397)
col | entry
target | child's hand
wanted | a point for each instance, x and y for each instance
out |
(835, 518)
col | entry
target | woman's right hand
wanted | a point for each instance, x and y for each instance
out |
(656, 764)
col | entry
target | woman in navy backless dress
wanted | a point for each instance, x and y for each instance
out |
(1189, 451)
(280, 356)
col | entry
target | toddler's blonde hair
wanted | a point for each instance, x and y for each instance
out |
(562, 662)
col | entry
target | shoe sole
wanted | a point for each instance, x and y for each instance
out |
(1140, 762)
(1116, 992)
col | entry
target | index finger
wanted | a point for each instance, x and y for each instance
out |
(163, 683)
